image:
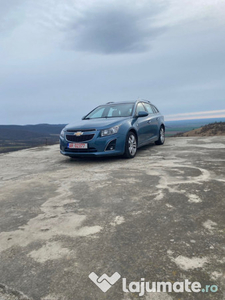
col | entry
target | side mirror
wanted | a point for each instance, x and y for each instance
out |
(142, 114)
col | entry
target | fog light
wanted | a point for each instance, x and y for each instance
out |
(111, 146)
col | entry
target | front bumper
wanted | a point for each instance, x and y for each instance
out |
(97, 146)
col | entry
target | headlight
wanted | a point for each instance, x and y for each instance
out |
(62, 133)
(110, 131)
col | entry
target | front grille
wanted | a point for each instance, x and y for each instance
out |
(81, 150)
(83, 130)
(82, 138)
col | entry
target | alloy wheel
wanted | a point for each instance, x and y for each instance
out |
(162, 135)
(132, 144)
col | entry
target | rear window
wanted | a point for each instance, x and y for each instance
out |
(154, 109)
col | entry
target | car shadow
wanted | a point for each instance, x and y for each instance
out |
(106, 159)
(145, 148)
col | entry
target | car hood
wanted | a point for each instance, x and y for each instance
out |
(100, 123)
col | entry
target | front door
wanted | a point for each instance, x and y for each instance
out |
(152, 122)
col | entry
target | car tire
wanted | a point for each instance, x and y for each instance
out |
(130, 145)
(161, 139)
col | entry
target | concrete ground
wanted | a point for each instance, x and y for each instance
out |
(159, 216)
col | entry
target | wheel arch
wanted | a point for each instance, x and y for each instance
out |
(163, 126)
(135, 132)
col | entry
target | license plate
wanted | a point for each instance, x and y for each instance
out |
(78, 145)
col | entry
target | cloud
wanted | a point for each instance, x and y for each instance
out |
(11, 14)
(113, 29)
(59, 59)
(102, 27)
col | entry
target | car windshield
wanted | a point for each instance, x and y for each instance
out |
(111, 111)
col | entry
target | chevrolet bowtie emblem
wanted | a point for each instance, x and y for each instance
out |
(78, 133)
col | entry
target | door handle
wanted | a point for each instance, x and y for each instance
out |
(149, 121)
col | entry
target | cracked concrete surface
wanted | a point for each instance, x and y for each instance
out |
(159, 216)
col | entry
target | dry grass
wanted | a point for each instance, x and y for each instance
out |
(214, 129)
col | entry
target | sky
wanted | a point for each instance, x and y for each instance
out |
(61, 58)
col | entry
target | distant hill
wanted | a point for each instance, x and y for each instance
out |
(16, 137)
(213, 129)
(175, 127)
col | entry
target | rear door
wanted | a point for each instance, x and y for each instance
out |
(159, 119)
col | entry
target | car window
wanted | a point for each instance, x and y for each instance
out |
(97, 113)
(111, 111)
(114, 112)
(139, 108)
(148, 108)
(155, 109)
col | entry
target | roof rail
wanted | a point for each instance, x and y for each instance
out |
(146, 100)
(110, 102)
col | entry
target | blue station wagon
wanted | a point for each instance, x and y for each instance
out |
(114, 129)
